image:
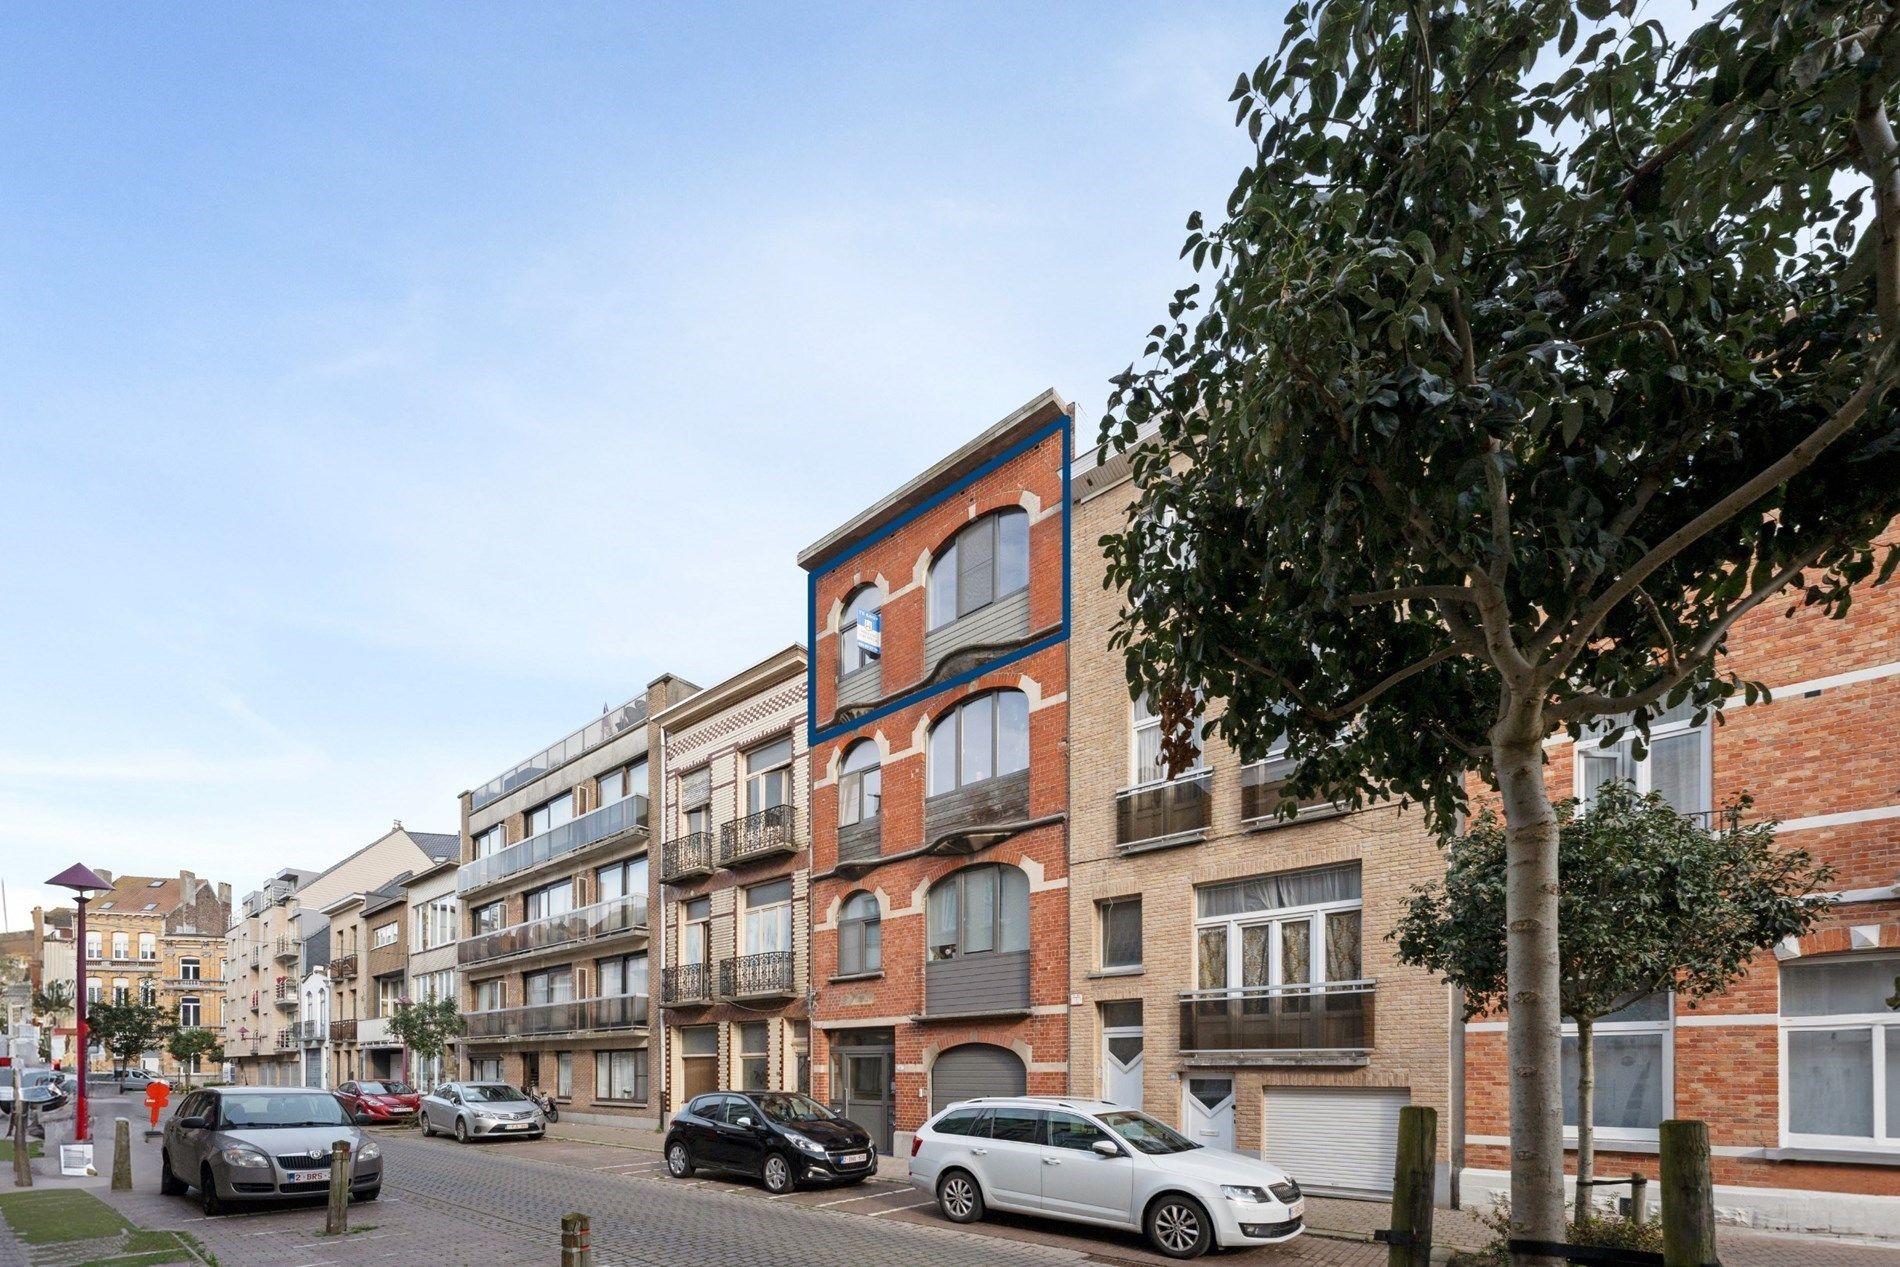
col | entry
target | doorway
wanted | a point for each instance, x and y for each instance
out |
(863, 1082)
(1207, 1111)
(1122, 1053)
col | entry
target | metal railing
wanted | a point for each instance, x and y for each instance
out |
(1263, 794)
(626, 814)
(310, 1031)
(1157, 812)
(287, 948)
(575, 1016)
(753, 976)
(686, 856)
(607, 726)
(762, 835)
(686, 983)
(286, 1039)
(1335, 1016)
(343, 1031)
(602, 919)
(343, 967)
(189, 982)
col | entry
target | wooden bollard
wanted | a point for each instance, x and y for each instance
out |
(1639, 1199)
(1412, 1180)
(121, 1154)
(575, 1248)
(1688, 1195)
(338, 1221)
(22, 1168)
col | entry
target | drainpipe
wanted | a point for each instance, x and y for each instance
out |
(1455, 1109)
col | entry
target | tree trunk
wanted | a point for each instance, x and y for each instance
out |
(1586, 1112)
(1531, 978)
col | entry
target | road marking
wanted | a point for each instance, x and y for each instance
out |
(862, 1196)
(898, 1209)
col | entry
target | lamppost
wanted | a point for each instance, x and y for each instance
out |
(82, 881)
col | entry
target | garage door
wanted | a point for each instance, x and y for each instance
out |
(975, 1069)
(1332, 1138)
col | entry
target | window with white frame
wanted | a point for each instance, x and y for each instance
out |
(695, 930)
(860, 936)
(1280, 934)
(148, 992)
(435, 923)
(1840, 1052)
(121, 946)
(95, 992)
(621, 1075)
(121, 991)
(189, 1012)
(768, 917)
(755, 1056)
(768, 776)
(188, 969)
(551, 813)
(564, 1074)
(1676, 763)
(696, 799)
(983, 737)
(1120, 921)
(148, 946)
(852, 656)
(492, 841)
(860, 784)
(389, 992)
(386, 934)
(1144, 749)
(1635, 1057)
(985, 561)
(488, 995)
(93, 944)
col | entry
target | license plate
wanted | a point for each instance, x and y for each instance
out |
(853, 1159)
(1297, 1209)
(515, 1126)
(308, 1176)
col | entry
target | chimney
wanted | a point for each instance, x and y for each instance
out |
(103, 874)
(224, 893)
(188, 888)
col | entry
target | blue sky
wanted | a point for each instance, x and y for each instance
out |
(386, 388)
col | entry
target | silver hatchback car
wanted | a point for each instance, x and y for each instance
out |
(481, 1110)
(262, 1144)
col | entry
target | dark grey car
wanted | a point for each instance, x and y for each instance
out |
(263, 1144)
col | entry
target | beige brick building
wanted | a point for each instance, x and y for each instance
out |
(1232, 974)
(159, 941)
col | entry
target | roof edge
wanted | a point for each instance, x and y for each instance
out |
(786, 662)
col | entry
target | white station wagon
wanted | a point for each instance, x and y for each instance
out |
(1094, 1162)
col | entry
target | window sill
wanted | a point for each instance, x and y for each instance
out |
(856, 976)
(1840, 1156)
(1616, 1144)
(1102, 973)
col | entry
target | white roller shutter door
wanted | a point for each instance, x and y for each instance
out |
(1334, 1139)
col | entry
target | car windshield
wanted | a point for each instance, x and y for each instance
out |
(789, 1106)
(1145, 1135)
(260, 1111)
(491, 1092)
(386, 1088)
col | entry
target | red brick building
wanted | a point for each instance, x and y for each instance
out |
(1797, 1070)
(939, 783)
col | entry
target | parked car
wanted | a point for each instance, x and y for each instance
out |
(42, 1089)
(262, 1144)
(1089, 1161)
(134, 1079)
(781, 1138)
(478, 1110)
(380, 1101)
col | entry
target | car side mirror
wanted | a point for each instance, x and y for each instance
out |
(746, 1122)
(194, 1123)
(1105, 1148)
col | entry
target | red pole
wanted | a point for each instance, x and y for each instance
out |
(84, 1131)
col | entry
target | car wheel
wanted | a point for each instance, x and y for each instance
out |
(427, 1130)
(959, 1197)
(370, 1194)
(168, 1183)
(461, 1130)
(1179, 1227)
(778, 1175)
(208, 1199)
(679, 1162)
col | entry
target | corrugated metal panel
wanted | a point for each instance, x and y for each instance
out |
(864, 686)
(990, 982)
(1334, 1138)
(975, 1069)
(1005, 620)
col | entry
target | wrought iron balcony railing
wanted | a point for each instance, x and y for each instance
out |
(589, 923)
(686, 983)
(192, 983)
(757, 976)
(576, 1016)
(343, 1031)
(1175, 812)
(343, 967)
(625, 815)
(1333, 1017)
(766, 834)
(686, 857)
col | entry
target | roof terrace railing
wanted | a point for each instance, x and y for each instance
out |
(609, 725)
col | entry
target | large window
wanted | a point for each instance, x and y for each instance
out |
(1632, 1049)
(148, 946)
(556, 985)
(986, 561)
(1676, 764)
(1277, 933)
(979, 910)
(860, 784)
(487, 919)
(389, 992)
(1121, 933)
(1840, 1040)
(852, 655)
(618, 879)
(121, 991)
(768, 776)
(484, 1069)
(93, 943)
(386, 935)
(768, 917)
(621, 975)
(860, 936)
(621, 1075)
(755, 1056)
(981, 738)
(552, 899)
(551, 814)
(121, 946)
(1145, 747)
(188, 969)
(618, 785)
(492, 841)
(488, 995)
(695, 930)
(435, 923)
(189, 1013)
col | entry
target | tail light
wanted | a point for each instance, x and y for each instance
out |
(916, 1142)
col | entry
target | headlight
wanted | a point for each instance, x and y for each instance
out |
(804, 1144)
(485, 1115)
(1238, 1192)
(370, 1151)
(240, 1155)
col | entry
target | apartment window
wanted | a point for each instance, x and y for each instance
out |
(435, 924)
(551, 814)
(556, 985)
(484, 1069)
(148, 946)
(1145, 747)
(389, 991)
(1676, 764)
(755, 1056)
(488, 995)
(121, 946)
(148, 992)
(1273, 934)
(695, 930)
(92, 945)
(768, 776)
(189, 1013)
(618, 785)
(621, 975)
(621, 1075)
(386, 935)
(768, 917)
(860, 936)
(121, 991)
(618, 879)
(979, 910)
(1632, 1054)
(95, 992)
(699, 1055)
(552, 899)
(436, 985)
(1120, 920)
(492, 841)
(696, 799)
(188, 969)
(852, 656)
(487, 919)
(860, 784)
(1840, 1037)
(981, 738)
(986, 561)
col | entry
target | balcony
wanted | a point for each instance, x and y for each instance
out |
(373, 1031)
(194, 983)
(586, 739)
(286, 948)
(286, 1039)
(285, 995)
(343, 1031)
(1157, 815)
(861, 841)
(577, 1016)
(310, 1033)
(687, 858)
(1329, 1024)
(1263, 795)
(989, 984)
(950, 818)
(619, 818)
(766, 834)
(590, 923)
(764, 976)
(343, 967)
(686, 984)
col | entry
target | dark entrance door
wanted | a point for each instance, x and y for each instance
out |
(863, 1081)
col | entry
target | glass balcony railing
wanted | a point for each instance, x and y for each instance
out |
(629, 814)
(1332, 1017)
(1175, 812)
(595, 733)
(576, 1016)
(602, 919)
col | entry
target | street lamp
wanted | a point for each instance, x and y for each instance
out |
(82, 881)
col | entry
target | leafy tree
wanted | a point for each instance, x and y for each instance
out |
(426, 1027)
(126, 1030)
(1649, 901)
(187, 1045)
(1539, 347)
(52, 1002)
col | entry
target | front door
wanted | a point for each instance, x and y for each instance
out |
(1121, 1065)
(1207, 1111)
(530, 1070)
(867, 1093)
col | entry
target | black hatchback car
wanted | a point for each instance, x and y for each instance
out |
(781, 1137)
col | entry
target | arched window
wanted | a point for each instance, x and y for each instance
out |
(985, 561)
(979, 910)
(860, 940)
(864, 601)
(981, 738)
(860, 784)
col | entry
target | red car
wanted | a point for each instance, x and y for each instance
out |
(380, 1101)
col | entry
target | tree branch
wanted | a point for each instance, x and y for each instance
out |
(1882, 155)
(1433, 593)
(1351, 707)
